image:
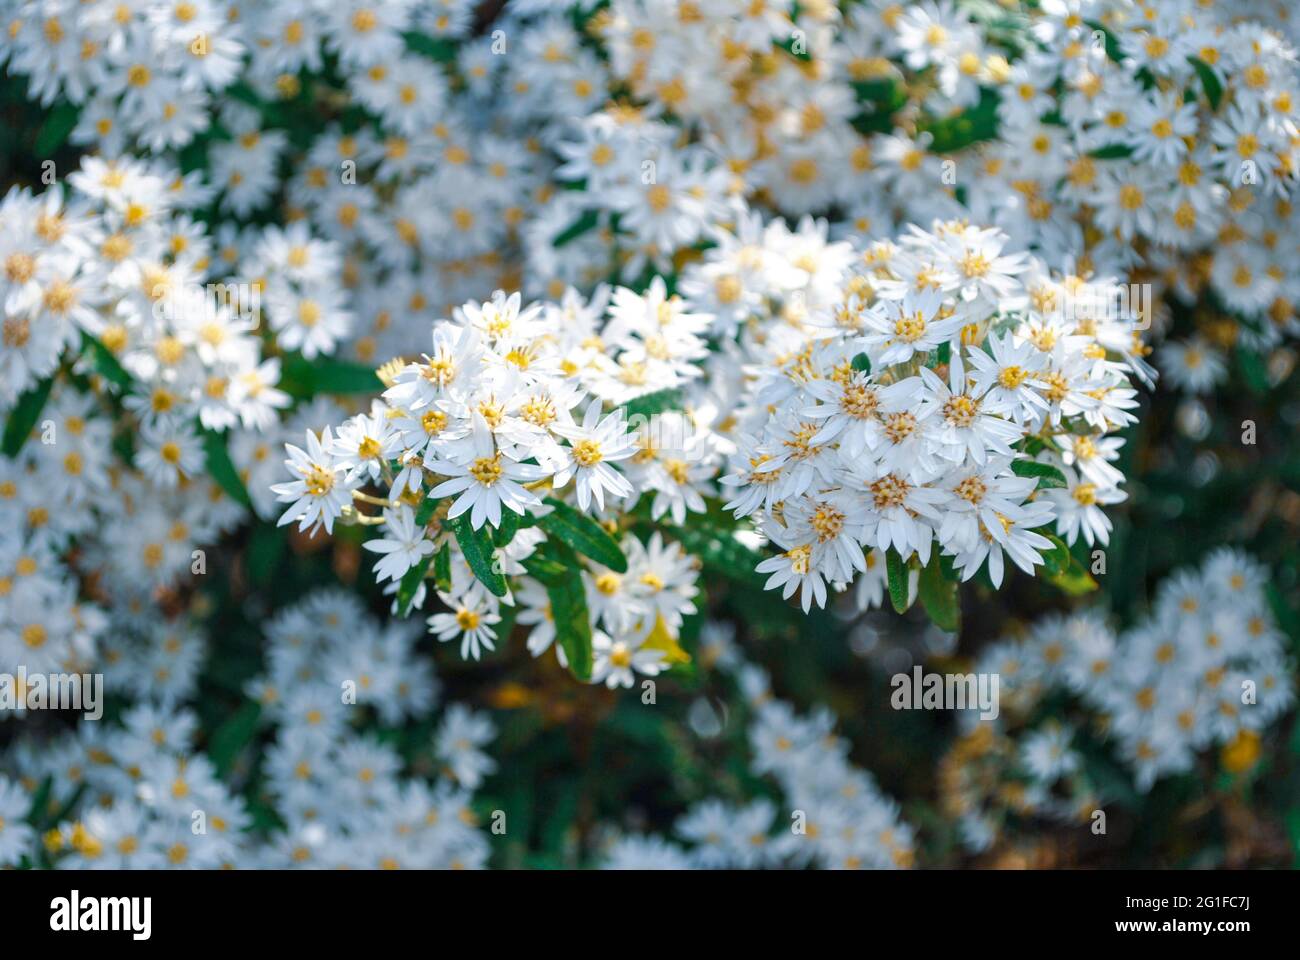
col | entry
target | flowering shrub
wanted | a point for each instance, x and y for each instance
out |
(620, 329)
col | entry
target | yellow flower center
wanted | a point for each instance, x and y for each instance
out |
(587, 453)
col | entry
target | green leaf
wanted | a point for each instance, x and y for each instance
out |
(435, 48)
(410, 582)
(862, 363)
(507, 529)
(1213, 88)
(576, 229)
(1048, 476)
(564, 589)
(898, 587)
(105, 364)
(222, 469)
(648, 404)
(265, 548)
(1058, 559)
(1253, 371)
(40, 803)
(941, 355)
(425, 513)
(973, 125)
(55, 130)
(939, 596)
(1032, 445)
(1112, 151)
(883, 98)
(233, 735)
(577, 530)
(1112, 44)
(442, 569)
(1074, 581)
(476, 545)
(303, 378)
(24, 415)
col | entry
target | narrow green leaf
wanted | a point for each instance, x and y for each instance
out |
(24, 415)
(425, 512)
(647, 405)
(1058, 559)
(1213, 88)
(442, 569)
(939, 596)
(476, 545)
(564, 589)
(222, 469)
(1253, 371)
(1047, 475)
(1075, 581)
(898, 587)
(56, 128)
(411, 580)
(233, 735)
(972, 125)
(435, 48)
(576, 229)
(508, 528)
(1113, 51)
(1112, 151)
(304, 378)
(40, 802)
(577, 530)
(106, 365)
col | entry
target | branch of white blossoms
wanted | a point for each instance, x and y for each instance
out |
(934, 402)
(1208, 668)
(136, 793)
(832, 813)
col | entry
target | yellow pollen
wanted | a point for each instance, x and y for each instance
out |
(486, 470)
(587, 453)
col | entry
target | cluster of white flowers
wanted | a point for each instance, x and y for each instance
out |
(915, 395)
(725, 303)
(1207, 668)
(832, 815)
(126, 356)
(1153, 141)
(907, 394)
(137, 794)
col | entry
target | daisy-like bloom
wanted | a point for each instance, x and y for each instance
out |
(170, 452)
(1047, 756)
(1092, 457)
(364, 445)
(1016, 536)
(1193, 366)
(17, 836)
(473, 615)
(981, 499)
(323, 489)
(459, 744)
(1078, 508)
(402, 548)
(961, 424)
(852, 409)
(1008, 378)
(593, 446)
(917, 323)
(445, 373)
(617, 661)
(486, 481)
